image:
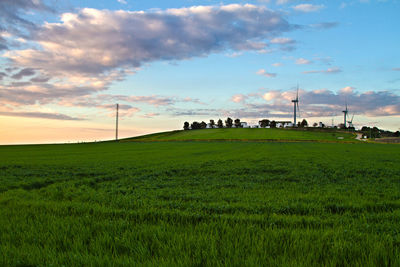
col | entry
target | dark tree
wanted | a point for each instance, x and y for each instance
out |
(220, 124)
(212, 123)
(186, 125)
(237, 123)
(203, 125)
(195, 125)
(264, 123)
(304, 123)
(229, 122)
(315, 124)
(272, 124)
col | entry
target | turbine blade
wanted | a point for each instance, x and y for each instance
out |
(298, 109)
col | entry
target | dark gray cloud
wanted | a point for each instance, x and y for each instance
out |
(19, 84)
(42, 115)
(25, 93)
(10, 13)
(2, 75)
(14, 20)
(3, 43)
(324, 25)
(22, 73)
(40, 79)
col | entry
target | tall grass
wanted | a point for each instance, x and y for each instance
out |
(200, 203)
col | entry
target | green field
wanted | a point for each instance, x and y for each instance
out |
(200, 203)
(243, 134)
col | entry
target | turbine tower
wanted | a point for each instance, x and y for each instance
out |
(345, 115)
(296, 106)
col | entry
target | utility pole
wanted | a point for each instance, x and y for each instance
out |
(116, 125)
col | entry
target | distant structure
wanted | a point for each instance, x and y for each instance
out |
(345, 115)
(350, 122)
(296, 106)
(283, 124)
(116, 124)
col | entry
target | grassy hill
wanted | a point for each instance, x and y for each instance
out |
(245, 134)
(200, 204)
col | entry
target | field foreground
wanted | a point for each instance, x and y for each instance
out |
(200, 203)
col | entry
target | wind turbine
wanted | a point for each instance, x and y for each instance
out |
(351, 121)
(296, 106)
(345, 115)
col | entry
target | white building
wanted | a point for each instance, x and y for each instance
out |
(281, 124)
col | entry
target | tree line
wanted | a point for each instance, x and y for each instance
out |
(229, 123)
(202, 125)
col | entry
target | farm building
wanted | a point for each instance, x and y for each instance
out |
(283, 124)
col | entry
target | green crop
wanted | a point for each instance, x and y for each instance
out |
(243, 134)
(200, 204)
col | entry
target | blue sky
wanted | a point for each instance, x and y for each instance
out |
(66, 64)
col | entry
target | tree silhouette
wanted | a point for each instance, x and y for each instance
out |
(237, 123)
(264, 123)
(212, 123)
(229, 122)
(220, 124)
(195, 125)
(186, 126)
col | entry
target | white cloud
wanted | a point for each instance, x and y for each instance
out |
(303, 61)
(282, 2)
(307, 8)
(282, 40)
(263, 72)
(277, 64)
(122, 2)
(347, 90)
(321, 103)
(333, 70)
(238, 98)
(271, 95)
(80, 44)
(328, 71)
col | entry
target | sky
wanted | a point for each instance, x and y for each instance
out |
(65, 65)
